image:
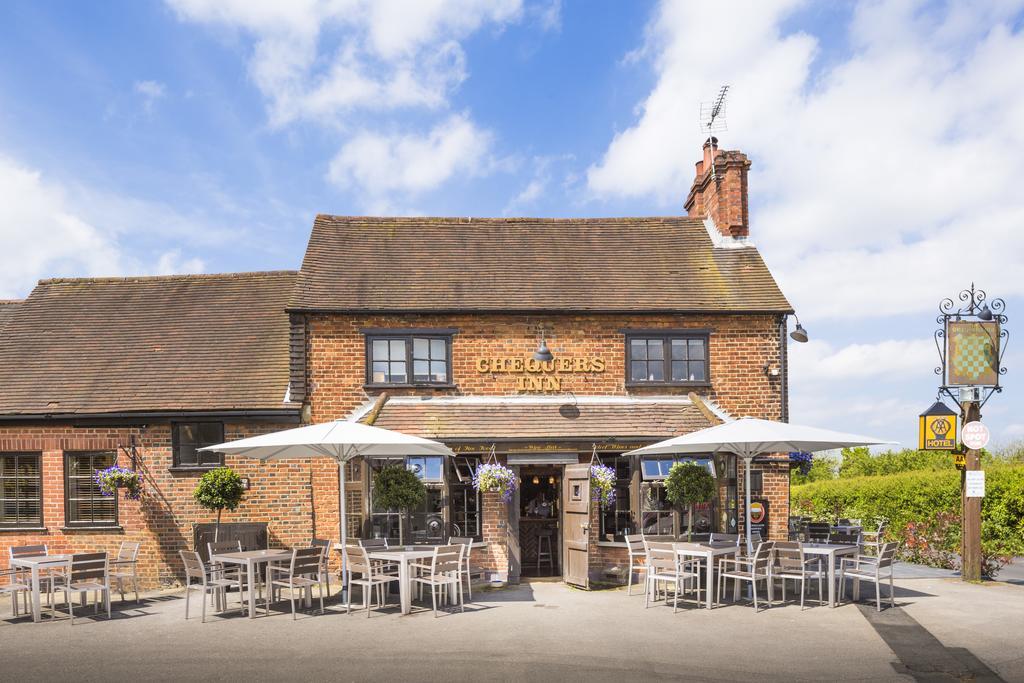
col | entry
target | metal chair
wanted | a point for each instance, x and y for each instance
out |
(468, 569)
(791, 565)
(753, 569)
(442, 572)
(45, 575)
(666, 566)
(841, 538)
(14, 586)
(231, 572)
(637, 559)
(325, 562)
(871, 541)
(372, 578)
(85, 572)
(305, 563)
(871, 569)
(210, 581)
(817, 532)
(124, 567)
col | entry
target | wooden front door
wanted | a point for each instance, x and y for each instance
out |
(576, 525)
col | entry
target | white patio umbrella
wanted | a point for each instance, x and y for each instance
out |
(748, 437)
(340, 440)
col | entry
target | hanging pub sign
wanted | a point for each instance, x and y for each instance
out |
(973, 353)
(937, 429)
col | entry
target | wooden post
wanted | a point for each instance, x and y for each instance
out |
(970, 549)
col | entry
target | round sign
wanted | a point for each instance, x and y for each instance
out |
(757, 512)
(975, 435)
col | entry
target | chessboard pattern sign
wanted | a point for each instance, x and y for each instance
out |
(973, 353)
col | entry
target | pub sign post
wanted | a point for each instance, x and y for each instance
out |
(971, 340)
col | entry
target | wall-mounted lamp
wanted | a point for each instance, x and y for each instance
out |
(799, 334)
(246, 483)
(771, 370)
(536, 479)
(551, 480)
(543, 353)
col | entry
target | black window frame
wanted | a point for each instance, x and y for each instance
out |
(618, 521)
(18, 523)
(667, 337)
(91, 523)
(410, 337)
(176, 463)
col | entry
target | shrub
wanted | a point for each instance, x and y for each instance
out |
(219, 489)
(688, 484)
(916, 504)
(397, 488)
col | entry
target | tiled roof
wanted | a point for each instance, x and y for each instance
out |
(523, 264)
(7, 308)
(189, 342)
(495, 418)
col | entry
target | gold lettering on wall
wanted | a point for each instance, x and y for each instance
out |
(540, 376)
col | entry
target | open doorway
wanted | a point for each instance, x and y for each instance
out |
(539, 528)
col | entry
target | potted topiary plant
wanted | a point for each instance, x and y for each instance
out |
(218, 490)
(397, 488)
(686, 485)
(114, 478)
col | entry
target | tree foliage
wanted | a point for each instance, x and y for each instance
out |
(688, 484)
(218, 490)
(396, 488)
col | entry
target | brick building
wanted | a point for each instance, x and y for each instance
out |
(431, 326)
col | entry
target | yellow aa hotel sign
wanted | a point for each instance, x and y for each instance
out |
(937, 429)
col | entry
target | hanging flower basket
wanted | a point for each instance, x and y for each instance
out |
(602, 484)
(114, 478)
(496, 478)
(801, 461)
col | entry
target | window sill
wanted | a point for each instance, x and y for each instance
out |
(101, 527)
(22, 528)
(638, 385)
(612, 544)
(184, 469)
(421, 385)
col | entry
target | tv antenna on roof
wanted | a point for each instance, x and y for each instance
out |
(712, 120)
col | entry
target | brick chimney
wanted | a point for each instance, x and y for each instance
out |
(723, 197)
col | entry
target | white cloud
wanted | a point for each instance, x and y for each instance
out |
(319, 59)
(881, 182)
(49, 230)
(151, 91)
(406, 163)
(819, 361)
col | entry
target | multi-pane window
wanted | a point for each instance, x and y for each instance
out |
(426, 523)
(408, 359)
(21, 490)
(658, 516)
(617, 518)
(463, 499)
(188, 437)
(84, 505)
(667, 359)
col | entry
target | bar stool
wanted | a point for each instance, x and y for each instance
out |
(544, 550)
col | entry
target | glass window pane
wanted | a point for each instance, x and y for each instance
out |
(638, 371)
(638, 349)
(421, 370)
(437, 349)
(438, 371)
(380, 349)
(380, 373)
(650, 469)
(415, 465)
(656, 349)
(696, 349)
(397, 349)
(398, 373)
(656, 371)
(187, 455)
(211, 433)
(679, 371)
(697, 372)
(420, 348)
(678, 349)
(432, 467)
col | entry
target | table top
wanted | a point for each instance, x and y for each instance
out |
(707, 547)
(252, 556)
(825, 548)
(406, 553)
(39, 560)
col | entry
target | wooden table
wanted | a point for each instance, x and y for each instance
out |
(251, 558)
(829, 552)
(709, 551)
(35, 563)
(403, 556)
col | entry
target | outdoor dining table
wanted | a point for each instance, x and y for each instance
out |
(36, 563)
(403, 556)
(829, 552)
(250, 559)
(710, 551)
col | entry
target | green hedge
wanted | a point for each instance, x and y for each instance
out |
(922, 508)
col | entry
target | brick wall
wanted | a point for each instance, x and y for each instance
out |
(281, 494)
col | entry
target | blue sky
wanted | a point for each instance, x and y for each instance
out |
(202, 135)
